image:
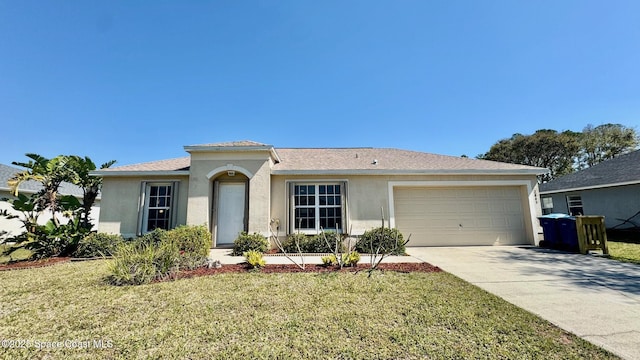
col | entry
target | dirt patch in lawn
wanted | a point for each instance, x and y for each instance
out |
(310, 268)
(33, 264)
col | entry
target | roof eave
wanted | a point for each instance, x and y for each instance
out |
(140, 173)
(592, 187)
(406, 172)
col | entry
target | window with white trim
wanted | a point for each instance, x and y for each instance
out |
(574, 203)
(158, 206)
(316, 207)
(547, 205)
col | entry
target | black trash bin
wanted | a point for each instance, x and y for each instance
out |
(568, 233)
(551, 230)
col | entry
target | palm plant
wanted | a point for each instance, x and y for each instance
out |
(50, 173)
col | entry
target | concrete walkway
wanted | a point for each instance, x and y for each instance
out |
(597, 299)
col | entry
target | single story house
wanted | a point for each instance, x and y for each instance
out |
(249, 186)
(13, 226)
(610, 188)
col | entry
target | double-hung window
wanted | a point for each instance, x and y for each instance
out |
(158, 205)
(317, 207)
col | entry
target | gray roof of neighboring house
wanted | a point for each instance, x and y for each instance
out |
(622, 170)
(7, 172)
(349, 160)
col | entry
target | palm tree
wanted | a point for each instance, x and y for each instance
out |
(50, 173)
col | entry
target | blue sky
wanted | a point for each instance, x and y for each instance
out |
(135, 81)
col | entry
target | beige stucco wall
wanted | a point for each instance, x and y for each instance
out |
(121, 199)
(368, 195)
(207, 166)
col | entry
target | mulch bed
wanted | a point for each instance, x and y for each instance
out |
(34, 264)
(309, 268)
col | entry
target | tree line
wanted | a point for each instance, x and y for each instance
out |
(565, 152)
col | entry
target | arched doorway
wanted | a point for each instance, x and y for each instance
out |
(230, 210)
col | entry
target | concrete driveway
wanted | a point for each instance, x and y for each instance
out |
(597, 299)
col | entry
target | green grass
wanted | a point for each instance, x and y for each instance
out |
(254, 315)
(627, 252)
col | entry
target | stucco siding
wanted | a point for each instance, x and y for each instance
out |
(368, 197)
(121, 202)
(206, 167)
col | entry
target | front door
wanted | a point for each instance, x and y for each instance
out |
(231, 210)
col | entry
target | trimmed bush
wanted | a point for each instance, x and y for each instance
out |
(312, 243)
(390, 241)
(155, 237)
(249, 242)
(194, 244)
(98, 244)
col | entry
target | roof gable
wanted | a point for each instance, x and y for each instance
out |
(624, 169)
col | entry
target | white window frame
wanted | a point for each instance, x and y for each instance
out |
(547, 205)
(144, 207)
(293, 226)
(575, 202)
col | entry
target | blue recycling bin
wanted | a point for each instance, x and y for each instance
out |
(551, 230)
(568, 233)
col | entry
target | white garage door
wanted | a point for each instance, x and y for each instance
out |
(437, 216)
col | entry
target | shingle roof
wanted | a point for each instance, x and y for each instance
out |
(7, 172)
(176, 164)
(384, 159)
(620, 170)
(352, 160)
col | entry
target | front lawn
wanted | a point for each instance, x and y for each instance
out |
(627, 252)
(72, 310)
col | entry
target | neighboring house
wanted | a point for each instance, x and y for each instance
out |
(610, 188)
(14, 226)
(248, 186)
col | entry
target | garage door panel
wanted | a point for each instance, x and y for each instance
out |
(460, 216)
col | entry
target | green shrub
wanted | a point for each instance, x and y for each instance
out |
(167, 259)
(98, 244)
(155, 237)
(249, 242)
(141, 263)
(390, 241)
(254, 259)
(132, 264)
(291, 243)
(312, 243)
(15, 253)
(350, 259)
(329, 260)
(194, 244)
